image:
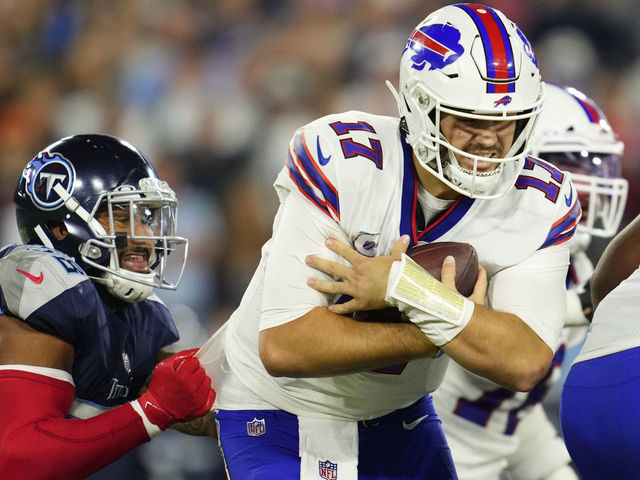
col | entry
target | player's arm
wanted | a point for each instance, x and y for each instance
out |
(36, 392)
(619, 260)
(300, 336)
(489, 341)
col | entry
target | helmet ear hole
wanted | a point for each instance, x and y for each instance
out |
(58, 229)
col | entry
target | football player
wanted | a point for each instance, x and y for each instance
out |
(306, 390)
(599, 410)
(494, 431)
(80, 330)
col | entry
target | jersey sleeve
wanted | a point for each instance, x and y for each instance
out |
(568, 212)
(32, 410)
(309, 171)
(534, 290)
(300, 230)
(47, 290)
(336, 164)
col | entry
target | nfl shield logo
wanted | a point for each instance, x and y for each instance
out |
(256, 427)
(328, 470)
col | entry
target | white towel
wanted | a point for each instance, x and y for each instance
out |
(328, 449)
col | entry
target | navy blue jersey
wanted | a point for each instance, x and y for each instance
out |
(116, 344)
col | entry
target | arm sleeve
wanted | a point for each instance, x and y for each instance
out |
(36, 441)
(533, 290)
(300, 230)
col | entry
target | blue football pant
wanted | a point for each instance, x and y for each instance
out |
(395, 446)
(600, 416)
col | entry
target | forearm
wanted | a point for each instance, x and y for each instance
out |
(619, 260)
(202, 426)
(501, 347)
(322, 343)
(32, 408)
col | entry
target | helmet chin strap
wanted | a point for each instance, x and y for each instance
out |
(126, 289)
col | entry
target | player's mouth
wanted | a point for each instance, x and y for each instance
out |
(482, 166)
(136, 260)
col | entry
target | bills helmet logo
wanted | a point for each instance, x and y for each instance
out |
(328, 470)
(506, 100)
(437, 45)
(42, 174)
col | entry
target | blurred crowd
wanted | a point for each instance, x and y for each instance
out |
(212, 90)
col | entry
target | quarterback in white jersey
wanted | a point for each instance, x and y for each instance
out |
(493, 431)
(305, 391)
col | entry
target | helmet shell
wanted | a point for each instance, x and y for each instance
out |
(85, 166)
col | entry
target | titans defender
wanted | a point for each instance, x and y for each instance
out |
(80, 330)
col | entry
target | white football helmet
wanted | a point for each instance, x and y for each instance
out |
(574, 135)
(471, 61)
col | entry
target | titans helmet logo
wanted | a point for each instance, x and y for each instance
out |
(42, 174)
(437, 45)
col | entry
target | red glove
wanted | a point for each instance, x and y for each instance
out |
(180, 390)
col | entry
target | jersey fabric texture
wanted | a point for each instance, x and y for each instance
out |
(351, 176)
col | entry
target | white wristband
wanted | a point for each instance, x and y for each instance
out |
(441, 313)
(152, 428)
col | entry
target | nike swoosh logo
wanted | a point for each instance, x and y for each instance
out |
(33, 278)
(569, 199)
(321, 158)
(414, 424)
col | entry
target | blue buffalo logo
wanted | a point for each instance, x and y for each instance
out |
(437, 45)
(506, 100)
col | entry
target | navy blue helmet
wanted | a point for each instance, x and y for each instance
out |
(81, 177)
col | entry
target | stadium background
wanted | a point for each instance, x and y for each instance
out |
(211, 91)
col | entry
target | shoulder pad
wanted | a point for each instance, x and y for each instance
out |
(339, 152)
(32, 275)
(556, 187)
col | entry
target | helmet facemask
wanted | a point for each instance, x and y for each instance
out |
(437, 155)
(600, 188)
(141, 229)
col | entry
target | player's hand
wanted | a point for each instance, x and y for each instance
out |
(365, 280)
(180, 390)
(448, 277)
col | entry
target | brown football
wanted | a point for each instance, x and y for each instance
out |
(430, 257)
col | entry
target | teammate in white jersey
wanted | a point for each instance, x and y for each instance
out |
(599, 410)
(495, 432)
(307, 392)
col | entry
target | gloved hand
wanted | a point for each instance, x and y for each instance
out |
(180, 390)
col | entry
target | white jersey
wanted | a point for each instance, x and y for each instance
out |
(351, 176)
(615, 325)
(492, 430)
